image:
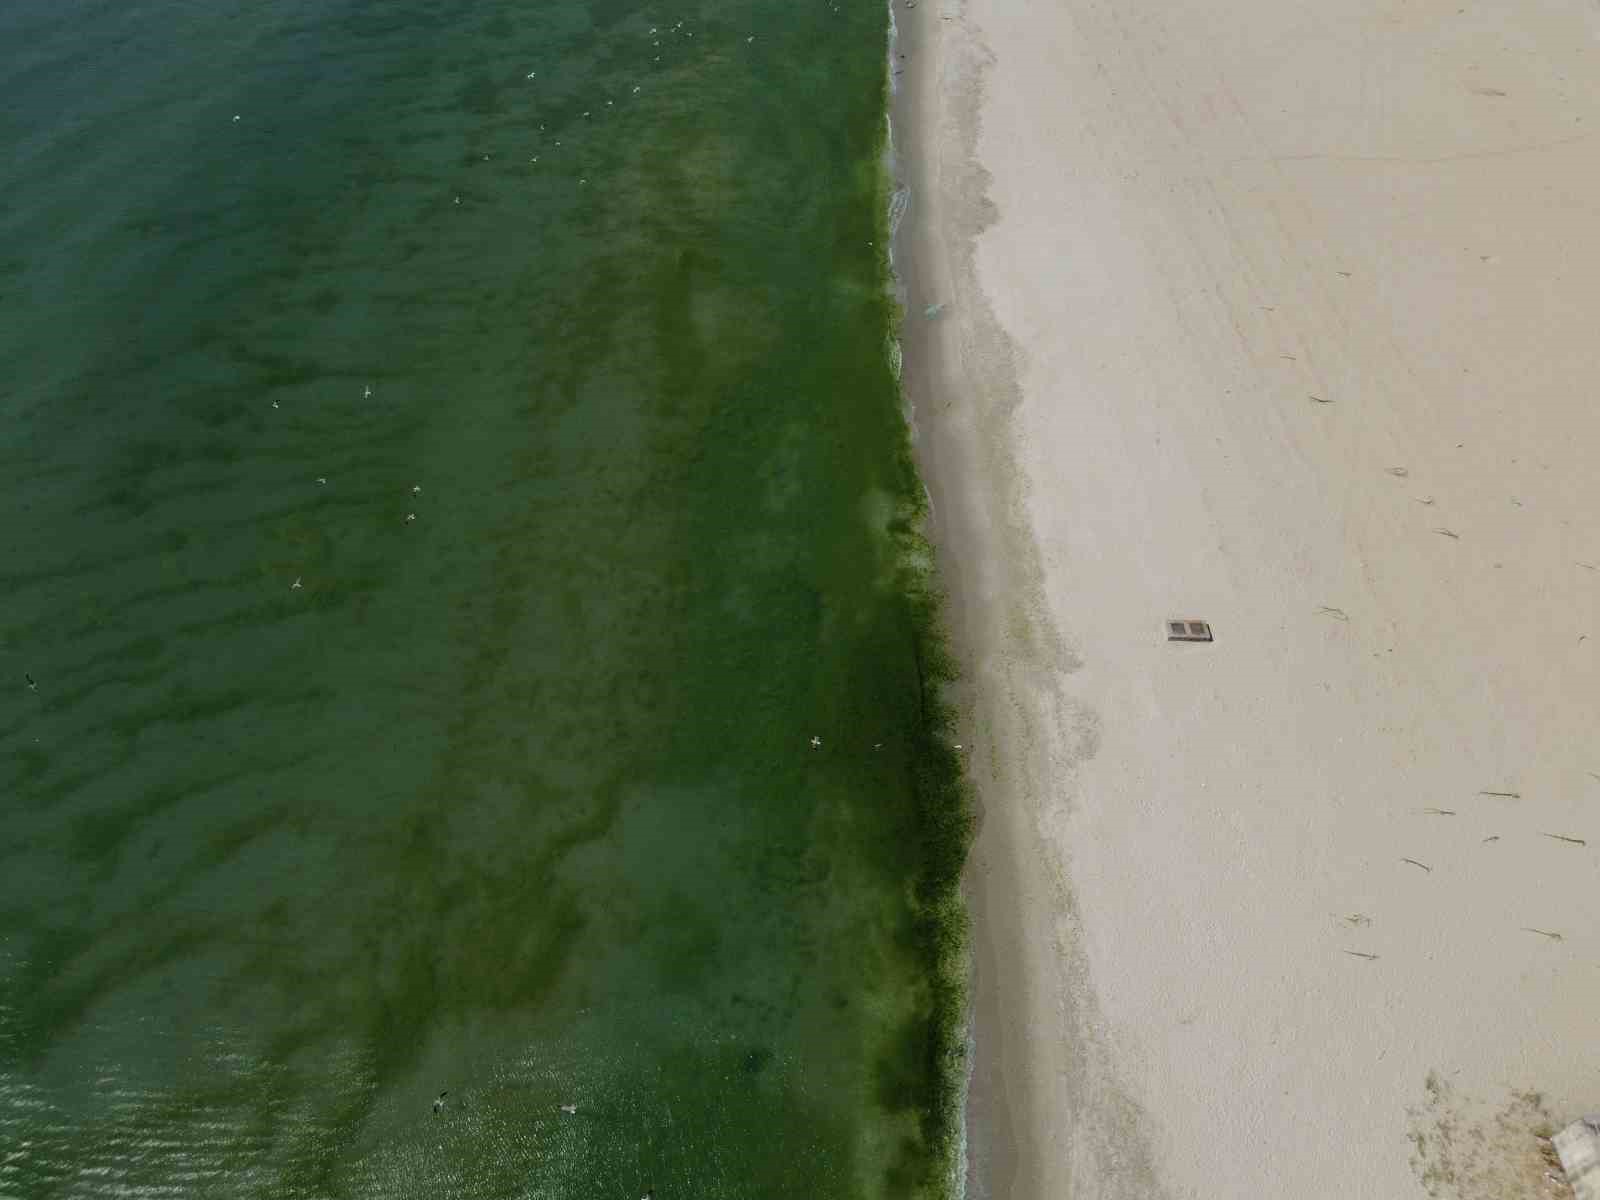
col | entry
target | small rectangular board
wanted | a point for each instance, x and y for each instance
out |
(1578, 1147)
(1188, 631)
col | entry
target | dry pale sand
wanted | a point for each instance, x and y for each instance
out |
(1285, 316)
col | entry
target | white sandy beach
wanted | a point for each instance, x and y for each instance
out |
(1286, 317)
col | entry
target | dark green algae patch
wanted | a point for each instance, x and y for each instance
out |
(518, 800)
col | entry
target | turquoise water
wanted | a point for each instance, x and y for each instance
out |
(460, 530)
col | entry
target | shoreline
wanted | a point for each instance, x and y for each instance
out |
(934, 112)
(960, 383)
(1309, 366)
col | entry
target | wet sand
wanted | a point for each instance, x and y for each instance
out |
(1279, 317)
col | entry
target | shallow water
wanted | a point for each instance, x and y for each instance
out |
(444, 506)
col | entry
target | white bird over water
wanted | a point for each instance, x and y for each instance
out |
(816, 743)
(410, 517)
(274, 404)
(366, 392)
(416, 489)
(323, 479)
(295, 586)
(570, 1109)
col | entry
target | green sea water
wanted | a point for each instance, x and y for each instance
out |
(459, 530)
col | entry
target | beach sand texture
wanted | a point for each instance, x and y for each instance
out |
(1280, 316)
